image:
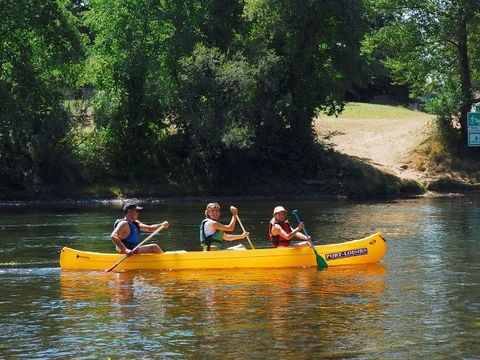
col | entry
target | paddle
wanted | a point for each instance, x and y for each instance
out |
(243, 229)
(321, 263)
(134, 249)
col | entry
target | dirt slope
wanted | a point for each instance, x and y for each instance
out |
(383, 143)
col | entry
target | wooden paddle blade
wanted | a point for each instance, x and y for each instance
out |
(116, 264)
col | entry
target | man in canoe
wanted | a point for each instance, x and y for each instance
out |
(213, 234)
(281, 233)
(126, 233)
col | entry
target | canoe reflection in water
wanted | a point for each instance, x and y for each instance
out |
(97, 286)
(82, 285)
(215, 303)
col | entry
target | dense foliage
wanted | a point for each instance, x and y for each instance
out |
(208, 95)
(39, 47)
(432, 46)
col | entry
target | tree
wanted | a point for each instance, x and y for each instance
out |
(136, 51)
(320, 44)
(247, 109)
(309, 53)
(213, 86)
(38, 44)
(427, 45)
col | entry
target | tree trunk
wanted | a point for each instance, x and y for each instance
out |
(464, 74)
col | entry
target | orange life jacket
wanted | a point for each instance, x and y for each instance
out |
(278, 240)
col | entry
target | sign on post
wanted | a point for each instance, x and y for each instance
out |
(473, 123)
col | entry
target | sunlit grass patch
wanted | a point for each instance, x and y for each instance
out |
(376, 111)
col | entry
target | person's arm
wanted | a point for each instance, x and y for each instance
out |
(230, 237)
(302, 236)
(121, 231)
(278, 230)
(217, 226)
(153, 227)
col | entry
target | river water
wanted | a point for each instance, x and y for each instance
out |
(421, 300)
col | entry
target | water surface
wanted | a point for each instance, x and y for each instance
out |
(421, 300)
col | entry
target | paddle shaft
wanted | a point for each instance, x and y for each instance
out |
(134, 249)
(321, 263)
(243, 229)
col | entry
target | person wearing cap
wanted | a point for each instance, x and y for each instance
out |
(126, 233)
(281, 233)
(213, 234)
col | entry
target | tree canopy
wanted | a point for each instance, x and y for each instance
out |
(228, 87)
(39, 47)
(218, 94)
(432, 47)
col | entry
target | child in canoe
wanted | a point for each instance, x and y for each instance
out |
(213, 234)
(281, 233)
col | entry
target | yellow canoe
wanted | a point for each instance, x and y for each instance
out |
(364, 251)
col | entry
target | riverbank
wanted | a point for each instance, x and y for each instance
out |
(400, 142)
(370, 152)
(119, 201)
(344, 178)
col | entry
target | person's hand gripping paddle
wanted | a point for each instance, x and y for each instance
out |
(243, 229)
(134, 249)
(321, 263)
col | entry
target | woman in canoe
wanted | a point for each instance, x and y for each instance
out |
(281, 233)
(126, 232)
(213, 234)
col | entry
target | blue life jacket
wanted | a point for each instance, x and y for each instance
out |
(133, 238)
(216, 238)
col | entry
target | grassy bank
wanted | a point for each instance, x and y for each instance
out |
(376, 111)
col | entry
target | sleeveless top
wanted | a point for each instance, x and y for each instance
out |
(133, 238)
(214, 239)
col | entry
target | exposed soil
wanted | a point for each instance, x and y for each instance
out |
(383, 143)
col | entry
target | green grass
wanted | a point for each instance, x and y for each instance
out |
(375, 111)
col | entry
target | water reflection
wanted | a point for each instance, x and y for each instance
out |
(278, 308)
(123, 286)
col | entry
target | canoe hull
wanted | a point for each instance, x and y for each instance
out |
(364, 251)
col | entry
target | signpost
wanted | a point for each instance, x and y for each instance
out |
(473, 122)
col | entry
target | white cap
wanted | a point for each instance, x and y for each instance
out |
(278, 209)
